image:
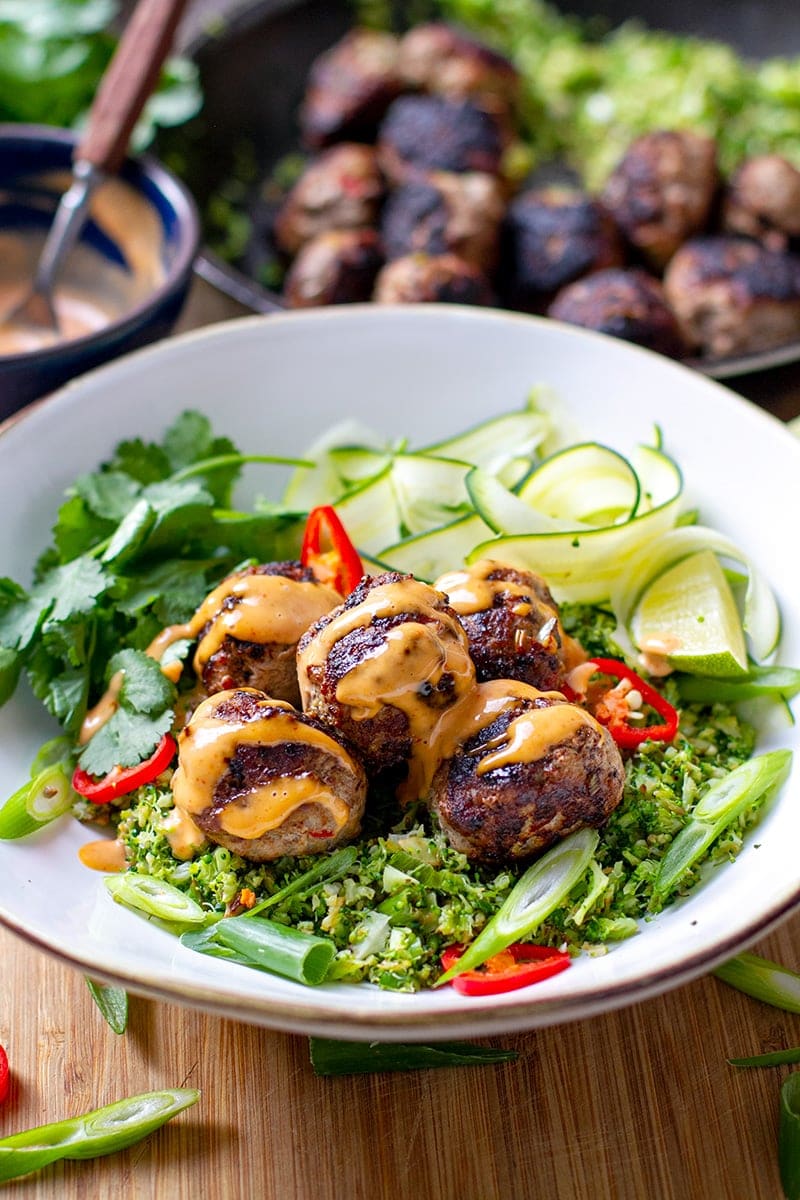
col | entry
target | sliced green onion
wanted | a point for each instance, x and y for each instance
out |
(330, 867)
(156, 898)
(779, 682)
(789, 1137)
(280, 949)
(539, 892)
(763, 980)
(204, 942)
(36, 803)
(776, 1058)
(102, 1131)
(360, 1058)
(57, 750)
(112, 1002)
(720, 805)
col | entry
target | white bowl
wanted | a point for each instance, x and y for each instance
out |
(274, 383)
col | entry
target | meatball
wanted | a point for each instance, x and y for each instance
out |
(430, 133)
(763, 201)
(250, 625)
(436, 58)
(734, 296)
(264, 780)
(445, 213)
(662, 191)
(534, 773)
(342, 189)
(512, 623)
(339, 267)
(422, 279)
(350, 87)
(625, 304)
(553, 236)
(384, 667)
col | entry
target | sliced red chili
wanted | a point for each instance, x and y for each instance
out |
(517, 966)
(121, 780)
(5, 1076)
(613, 711)
(328, 551)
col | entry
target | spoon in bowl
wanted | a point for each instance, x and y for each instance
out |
(128, 81)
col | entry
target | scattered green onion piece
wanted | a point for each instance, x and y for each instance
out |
(539, 892)
(57, 750)
(112, 1002)
(278, 948)
(360, 1058)
(720, 805)
(15, 820)
(780, 682)
(338, 863)
(789, 1137)
(36, 803)
(156, 898)
(102, 1131)
(776, 1058)
(763, 980)
(204, 942)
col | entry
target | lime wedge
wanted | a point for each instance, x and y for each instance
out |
(687, 619)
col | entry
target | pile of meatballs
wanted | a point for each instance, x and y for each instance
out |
(452, 697)
(407, 200)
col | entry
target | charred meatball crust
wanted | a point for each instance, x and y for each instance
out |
(342, 189)
(385, 731)
(339, 267)
(519, 634)
(422, 279)
(662, 191)
(430, 133)
(734, 296)
(553, 236)
(763, 201)
(311, 756)
(625, 304)
(270, 666)
(446, 213)
(437, 58)
(350, 87)
(517, 810)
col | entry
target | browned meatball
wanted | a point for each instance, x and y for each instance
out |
(250, 625)
(422, 279)
(662, 191)
(535, 773)
(763, 201)
(625, 304)
(264, 780)
(350, 87)
(342, 189)
(384, 667)
(430, 133)
(339, 267)
(437, 58)
(445, 213)
(553, 236)
(512, 623)
(734, 296)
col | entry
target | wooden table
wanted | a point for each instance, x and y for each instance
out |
(638, 1104)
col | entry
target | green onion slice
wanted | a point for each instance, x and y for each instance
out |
(303, 957)
(720, 805)
(775, 1058)
(777, 682)
(102, 1131)
(360, 1058)
(112, 1002)
(763, 980)
(539, 892)
(335, 864)
(156, 898)
(789, 1137)
(36, 803)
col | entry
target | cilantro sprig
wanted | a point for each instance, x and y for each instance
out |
(136, 546)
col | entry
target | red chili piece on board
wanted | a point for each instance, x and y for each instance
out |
(5, 1076)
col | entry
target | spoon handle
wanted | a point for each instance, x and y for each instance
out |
(127, 82)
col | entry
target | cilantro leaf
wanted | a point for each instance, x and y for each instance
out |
(74, 587)
(131, 533)
(108, 494)
(190, 440)
(77, 530)
(10, 666)
(126, 739)
(143, 461)
(145, 687)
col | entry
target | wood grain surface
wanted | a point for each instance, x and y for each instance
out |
(638, 1104)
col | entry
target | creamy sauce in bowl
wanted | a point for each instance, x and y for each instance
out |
(92, 291)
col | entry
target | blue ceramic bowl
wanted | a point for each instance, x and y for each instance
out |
(34, 162)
